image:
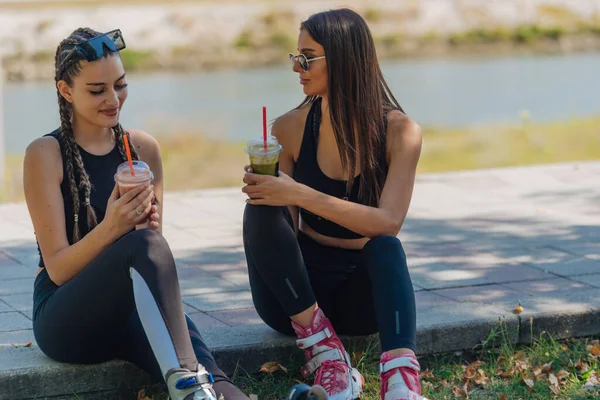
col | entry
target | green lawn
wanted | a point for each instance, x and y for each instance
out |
(498, 370)
(211, 163)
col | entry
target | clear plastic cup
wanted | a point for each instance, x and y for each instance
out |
(264, 161)
(126, 181)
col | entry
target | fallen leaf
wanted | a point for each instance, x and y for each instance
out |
(427, 374)
(521, 365)
(477, 364)
(459, 393)
(553, 380)
(505, 374)
(529, 382)
(482, 380)
(503, 397)
(537, 370)
(142, 395)
(470, 373)
(547, 367)
(22, 345)
(555, 390)
(562, 374)
(271, 367)
(542, 377)
(594, 351)
(519, 356)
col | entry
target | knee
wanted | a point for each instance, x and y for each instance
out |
(148, 248)
(145, 239)
(384, 248)
(260, 219)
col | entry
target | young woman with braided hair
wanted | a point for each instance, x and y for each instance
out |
(107, 284)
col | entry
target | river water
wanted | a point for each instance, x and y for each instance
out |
(227, 103)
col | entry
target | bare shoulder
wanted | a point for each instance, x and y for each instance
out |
(44, 153)
(146, 145)
(289, 129)
(403, 133)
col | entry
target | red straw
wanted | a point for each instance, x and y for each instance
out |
(128, 151)
(264, 115)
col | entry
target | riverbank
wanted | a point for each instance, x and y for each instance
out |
(186, 36)
(210, 163)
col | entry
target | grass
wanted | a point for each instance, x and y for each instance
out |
(192, 161)
(497, 369)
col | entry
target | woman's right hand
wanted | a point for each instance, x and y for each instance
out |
(125, 212)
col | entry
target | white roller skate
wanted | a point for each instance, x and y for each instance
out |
(187, 385)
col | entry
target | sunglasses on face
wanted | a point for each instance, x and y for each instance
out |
(302, 60)
(94, 48)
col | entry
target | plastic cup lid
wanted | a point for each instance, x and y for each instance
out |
(256, 145)
(137, 166)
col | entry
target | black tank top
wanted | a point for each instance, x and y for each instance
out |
(308, 172)
(101, 170)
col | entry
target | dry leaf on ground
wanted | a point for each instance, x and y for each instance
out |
(271, 367)
(503, 397)
(553, 379)
(594, 350)
(427, 374)
(555, 390)
(562, 374)
(547, 367)
(460, 393)
(542, 377)
(582, 367)
(22, 345)
(528, 382)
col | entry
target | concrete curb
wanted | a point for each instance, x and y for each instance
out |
(52, 380)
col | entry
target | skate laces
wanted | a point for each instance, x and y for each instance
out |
(327, 373)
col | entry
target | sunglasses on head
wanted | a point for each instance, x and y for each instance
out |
(302, 60)
(94, 48)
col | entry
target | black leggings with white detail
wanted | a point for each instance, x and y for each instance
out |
(125, 304)
(360, 291)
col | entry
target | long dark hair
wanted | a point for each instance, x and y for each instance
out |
(79, 180)
(358, 96)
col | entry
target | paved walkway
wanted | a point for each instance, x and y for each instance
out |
(477, 243)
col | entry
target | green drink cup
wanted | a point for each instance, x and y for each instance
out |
(264, 160)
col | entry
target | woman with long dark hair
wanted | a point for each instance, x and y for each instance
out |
(321, 238)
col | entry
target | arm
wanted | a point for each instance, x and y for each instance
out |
(387, 219)
(149, 151)
(42, 175)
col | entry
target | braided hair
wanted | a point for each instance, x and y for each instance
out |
(79, 180)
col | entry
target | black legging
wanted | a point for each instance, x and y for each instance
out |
(360, 291)
(93, 318)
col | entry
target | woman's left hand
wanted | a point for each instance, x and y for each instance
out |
(271, 190)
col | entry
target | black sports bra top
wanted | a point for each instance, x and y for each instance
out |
(308, 172)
